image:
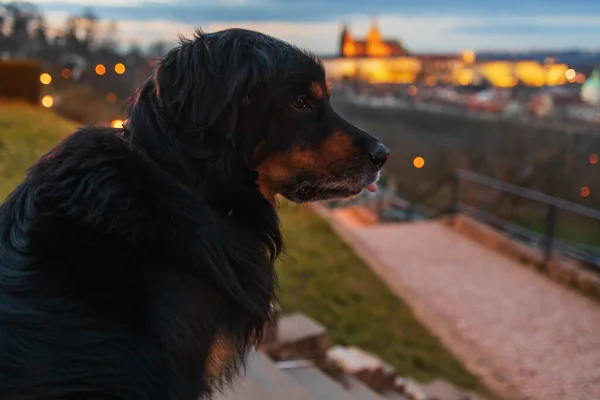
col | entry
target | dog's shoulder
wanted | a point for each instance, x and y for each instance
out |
(89, 151)
(93, 190)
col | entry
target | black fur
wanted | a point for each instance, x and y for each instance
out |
(125, 254)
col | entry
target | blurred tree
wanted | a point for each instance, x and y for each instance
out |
(157, 49)
(109, 40)
(17, 20)
(89, 25)
(81, 33)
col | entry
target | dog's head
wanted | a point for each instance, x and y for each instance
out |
(245, 94)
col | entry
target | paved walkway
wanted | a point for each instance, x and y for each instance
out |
(527, 336)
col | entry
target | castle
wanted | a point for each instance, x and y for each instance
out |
(376, 59)
(374, 45)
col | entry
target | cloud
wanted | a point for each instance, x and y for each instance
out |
(196, 11)
(109, 4)
(423, 26)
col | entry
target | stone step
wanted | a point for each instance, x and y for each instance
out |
(360, 391)
(468, 395)
(414, 390)
(441, 389)
(271, 329)
(368, 368)
(319, 384)
(264, 381)
(298, 336)
(394, 396)
(244, 389)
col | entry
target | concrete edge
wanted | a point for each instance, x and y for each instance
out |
(567, 272)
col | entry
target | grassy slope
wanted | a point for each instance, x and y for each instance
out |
(26, 133)
(320, 275)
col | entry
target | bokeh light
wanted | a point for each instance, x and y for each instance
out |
(570, 74)
(48, 101)
(412, 90)
(468, 56)
(100, 69)
(584, 191)
(419, 162)
(120, 68)
(111, 98)
(593, 159)
(117, 123)
(66, 73)
(45, 78)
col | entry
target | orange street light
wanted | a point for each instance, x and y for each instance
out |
(120, 68)
(48, 101)
(585, 191)
(45, 78)
(419, 162)
(100, 69)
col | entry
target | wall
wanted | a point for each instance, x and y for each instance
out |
(20, 80)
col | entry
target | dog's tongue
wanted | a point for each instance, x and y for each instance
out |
(372, 187)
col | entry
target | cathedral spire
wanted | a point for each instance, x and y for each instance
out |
(345, 39)
(374, 35)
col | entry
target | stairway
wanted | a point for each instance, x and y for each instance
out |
(294, 363)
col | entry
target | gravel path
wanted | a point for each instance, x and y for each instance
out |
(533, 335)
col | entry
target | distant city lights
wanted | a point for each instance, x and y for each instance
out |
(120, 68)
(584, 191)
(45, 78)
(419, 162)
(48, 101)
(468, 56)
(117, 123)
(580, 78)
(100, 69)
(431, 80)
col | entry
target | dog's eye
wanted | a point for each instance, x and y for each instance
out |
(299, 102)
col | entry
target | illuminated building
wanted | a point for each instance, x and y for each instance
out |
(375, 59)
(373, 46)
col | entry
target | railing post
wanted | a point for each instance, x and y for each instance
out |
(455, 196)
(549, 234)
(410, 211)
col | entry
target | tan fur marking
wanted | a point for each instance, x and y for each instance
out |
(338, 146)
(221, 353)
(316, 90)
(276, 170)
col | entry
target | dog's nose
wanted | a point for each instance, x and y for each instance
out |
(379, 155)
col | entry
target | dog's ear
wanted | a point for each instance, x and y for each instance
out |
(202, 84)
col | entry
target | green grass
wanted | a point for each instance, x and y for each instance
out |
(322, 277)
(26, 133)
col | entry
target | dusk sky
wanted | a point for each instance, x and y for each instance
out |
(421, 25)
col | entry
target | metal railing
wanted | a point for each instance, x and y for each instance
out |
(389, 206)
(547, 241)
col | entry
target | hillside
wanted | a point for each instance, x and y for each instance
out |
(26, 133)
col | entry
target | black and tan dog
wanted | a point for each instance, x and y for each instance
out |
(137, 263)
